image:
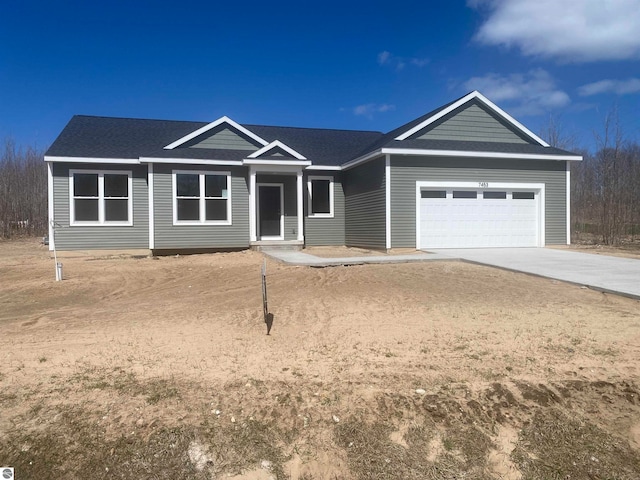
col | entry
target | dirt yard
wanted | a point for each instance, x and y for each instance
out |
(160, 368)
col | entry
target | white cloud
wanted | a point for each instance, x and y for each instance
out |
(531, 93)
(384, 57)
(368, 109)
(419, 62)
(388, 59)
(619, 87)
(568, 30)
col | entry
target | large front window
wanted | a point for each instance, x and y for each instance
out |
(201, 197)
(100, 197)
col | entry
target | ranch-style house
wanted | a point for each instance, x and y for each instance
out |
(464, 175)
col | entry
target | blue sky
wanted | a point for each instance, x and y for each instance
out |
(332, 64)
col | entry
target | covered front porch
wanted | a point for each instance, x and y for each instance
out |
(276, 205)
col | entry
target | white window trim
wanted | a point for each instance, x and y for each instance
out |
(310, 213)
(201, 198)
(101, 199)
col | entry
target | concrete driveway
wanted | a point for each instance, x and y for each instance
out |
(600, 272)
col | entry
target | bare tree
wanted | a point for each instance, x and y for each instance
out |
(605, 186)
(23, 191)
(556, 136)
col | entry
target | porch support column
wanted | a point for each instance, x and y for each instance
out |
(568, 206)
(300, 206)
(387, 200)
(252, 205)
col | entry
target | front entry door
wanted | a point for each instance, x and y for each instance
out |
(270, 215)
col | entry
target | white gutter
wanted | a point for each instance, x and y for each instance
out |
(463, 153)
(49, 158)
(188, 161)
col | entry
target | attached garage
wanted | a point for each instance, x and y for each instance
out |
(484, 214)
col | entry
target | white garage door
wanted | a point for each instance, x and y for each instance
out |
(471, 218)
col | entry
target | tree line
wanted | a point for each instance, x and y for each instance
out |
(605, 187)
(23, 191)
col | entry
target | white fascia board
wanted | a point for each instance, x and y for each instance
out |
(285, 169)
(437, 116)
(462, 101)
(510, 119)
(277, 144)
(323, 167)
(364, 158)
(130, 161)
(296, 163)
(214, 124)
(189, 161)
(463, 153)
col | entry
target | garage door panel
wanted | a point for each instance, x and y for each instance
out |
(470, 219)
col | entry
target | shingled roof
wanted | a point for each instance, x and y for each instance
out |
(131, 138)
(108, 137)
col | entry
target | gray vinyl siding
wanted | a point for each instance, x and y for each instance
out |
(169, 236)
(224, 138)
(290, 201)
(76, 237)
(365, 211)
(326, 231)
(405, 172)
(472, 123)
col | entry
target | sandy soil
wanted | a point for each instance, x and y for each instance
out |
(345, 343)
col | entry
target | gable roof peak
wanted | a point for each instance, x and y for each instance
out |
(474, 95)
(277, 145)
(214, 124)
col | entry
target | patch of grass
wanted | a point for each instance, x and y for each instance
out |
(160, 389)
(77, 447)
(239, 447)
(606, 352)
(42, 359)
(556, 446)
(126, 383)
(372, 454)
(447, 444)
(9, 398)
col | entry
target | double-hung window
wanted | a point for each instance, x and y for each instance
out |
(100, 197)
(320, 196)
(201, 198)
